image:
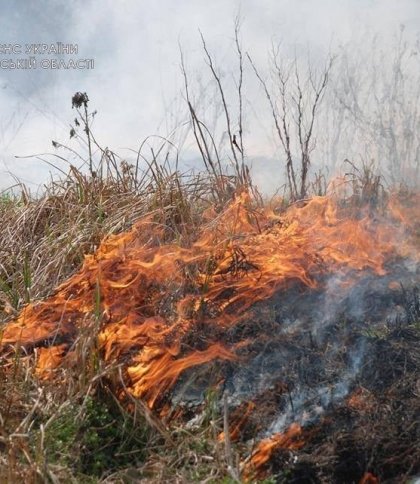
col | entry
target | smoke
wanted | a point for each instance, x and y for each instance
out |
(306, 404)
(136, 84)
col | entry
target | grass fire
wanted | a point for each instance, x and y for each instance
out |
(313, 302)
(158, 325)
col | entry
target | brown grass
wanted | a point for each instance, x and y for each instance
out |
(43, 427)
(78, 431)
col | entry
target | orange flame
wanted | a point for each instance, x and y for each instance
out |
(291, 439)
(159, 304)
(238, 423)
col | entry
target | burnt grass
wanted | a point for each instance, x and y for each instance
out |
(380, 435)
(346, 368)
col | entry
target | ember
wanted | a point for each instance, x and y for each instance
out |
(369, 478)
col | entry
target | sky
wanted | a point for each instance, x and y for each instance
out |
(136, 84)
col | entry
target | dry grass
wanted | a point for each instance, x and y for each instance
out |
(44, 239)
(78, 431)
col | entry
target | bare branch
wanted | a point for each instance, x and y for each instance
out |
(222, 95)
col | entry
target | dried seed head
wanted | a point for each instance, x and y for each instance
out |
(78, 99)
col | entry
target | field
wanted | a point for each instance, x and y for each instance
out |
(75, 417)
(165, 325)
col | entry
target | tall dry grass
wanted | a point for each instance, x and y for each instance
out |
(78, 431)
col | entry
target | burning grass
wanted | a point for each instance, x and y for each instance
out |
(303, 318)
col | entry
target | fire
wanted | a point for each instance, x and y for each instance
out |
(49, 359)
(369, 478)
(291, 439)
(361, 400)
(238, 423)
(164, 307)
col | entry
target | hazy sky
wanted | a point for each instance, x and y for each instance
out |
(136, 77)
